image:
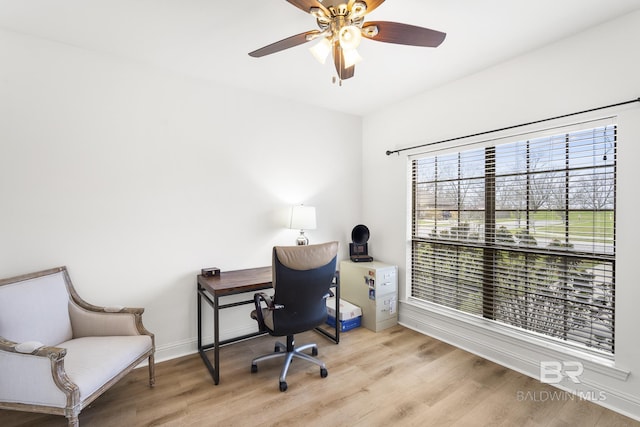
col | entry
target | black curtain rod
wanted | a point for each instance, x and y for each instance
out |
(389, 152)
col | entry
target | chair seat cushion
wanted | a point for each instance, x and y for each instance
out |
(92, 361)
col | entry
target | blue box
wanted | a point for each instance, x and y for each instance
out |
(350, 315)
(345, 325)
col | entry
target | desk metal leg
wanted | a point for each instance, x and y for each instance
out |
(337, 311)
(213, 370)
(216, 339)
(336, 335)
(199, 320)
(214, 302)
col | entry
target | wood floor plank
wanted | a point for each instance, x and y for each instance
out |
(393, 377)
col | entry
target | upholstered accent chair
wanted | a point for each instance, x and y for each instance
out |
(58, 353)
(302, 278)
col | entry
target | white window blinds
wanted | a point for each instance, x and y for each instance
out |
(522, 233)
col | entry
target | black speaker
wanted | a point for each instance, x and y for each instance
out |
(360, 234)
(359, 250)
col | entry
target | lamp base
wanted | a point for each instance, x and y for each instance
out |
(302, 239)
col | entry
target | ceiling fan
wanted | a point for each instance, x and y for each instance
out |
(342, 27)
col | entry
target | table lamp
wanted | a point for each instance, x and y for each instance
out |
(303, 218)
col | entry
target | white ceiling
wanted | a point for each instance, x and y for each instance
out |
(210, 39)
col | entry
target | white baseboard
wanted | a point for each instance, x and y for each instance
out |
(189, 346)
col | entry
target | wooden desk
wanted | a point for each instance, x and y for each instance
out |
(231, 283)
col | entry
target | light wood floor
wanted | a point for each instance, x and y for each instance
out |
(394, 377)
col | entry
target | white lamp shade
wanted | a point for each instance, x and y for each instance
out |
(350, 37)
(303, 218)
(321, 50)
(351, 57)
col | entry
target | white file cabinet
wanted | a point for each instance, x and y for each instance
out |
(372, 286)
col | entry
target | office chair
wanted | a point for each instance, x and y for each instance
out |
(302, 276)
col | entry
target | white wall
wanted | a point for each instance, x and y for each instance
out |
(598, 67)
(136, 179)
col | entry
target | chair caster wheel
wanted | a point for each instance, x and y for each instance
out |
(323, 373)
(283, 386)
(314, 351)
(254, 369)
(276, 349)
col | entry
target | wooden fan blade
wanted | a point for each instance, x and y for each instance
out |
(344, 73)
(306, 5)
(371, 4)
(394, 32)
(283, 44)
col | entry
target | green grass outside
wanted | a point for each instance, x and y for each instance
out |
(583, 225)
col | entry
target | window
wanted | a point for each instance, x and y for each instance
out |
(521, 233)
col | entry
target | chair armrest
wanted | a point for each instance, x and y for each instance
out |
(38, 377)
(261, 296)
(117, 309)
(258, 299)
(53, 353)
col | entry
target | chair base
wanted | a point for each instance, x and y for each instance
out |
(289, 352)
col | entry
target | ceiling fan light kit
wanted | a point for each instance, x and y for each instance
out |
(342, 28)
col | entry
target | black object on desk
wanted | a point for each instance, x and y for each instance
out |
(231, 283)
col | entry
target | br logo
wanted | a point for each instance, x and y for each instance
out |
(553, 372)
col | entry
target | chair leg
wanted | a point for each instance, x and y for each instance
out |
(152, 371)
(73, 421)
(308, 358)
(285, 367)
(267, 357)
